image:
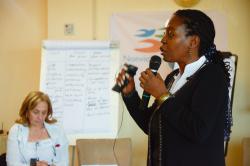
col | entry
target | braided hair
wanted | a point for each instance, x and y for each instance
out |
(198, 23)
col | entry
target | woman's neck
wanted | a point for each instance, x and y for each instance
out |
(37, 133)
(36, 127)
(182, 65)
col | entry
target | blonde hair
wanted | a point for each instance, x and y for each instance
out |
(30, 102)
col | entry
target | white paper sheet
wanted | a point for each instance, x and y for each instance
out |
(78, 76)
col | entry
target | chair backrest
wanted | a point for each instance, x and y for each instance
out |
(246, 151)
(232, 61)
(104, 151)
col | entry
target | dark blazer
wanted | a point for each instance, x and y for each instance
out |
(188, 128)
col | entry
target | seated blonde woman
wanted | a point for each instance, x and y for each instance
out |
(35, 139)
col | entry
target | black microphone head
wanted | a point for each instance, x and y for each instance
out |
(155, 62)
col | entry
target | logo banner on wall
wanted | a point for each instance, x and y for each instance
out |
(140, 33)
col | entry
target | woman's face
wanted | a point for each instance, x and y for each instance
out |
(38, 115)
(175, 42)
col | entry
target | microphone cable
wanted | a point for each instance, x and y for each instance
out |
(119, 129)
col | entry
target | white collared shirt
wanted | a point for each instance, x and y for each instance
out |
(189, 70)
(53, 150)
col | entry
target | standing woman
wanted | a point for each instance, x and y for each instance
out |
(186, 123)
(35, 139)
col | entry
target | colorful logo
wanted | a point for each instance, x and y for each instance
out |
(151, 37)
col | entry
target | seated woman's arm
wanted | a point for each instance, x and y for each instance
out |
(14, 156)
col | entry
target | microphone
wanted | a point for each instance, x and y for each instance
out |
(154, 65)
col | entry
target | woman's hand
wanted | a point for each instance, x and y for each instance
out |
(152, 84)
(120, 81)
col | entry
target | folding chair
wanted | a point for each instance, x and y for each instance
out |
(104, 151)
(232, 60)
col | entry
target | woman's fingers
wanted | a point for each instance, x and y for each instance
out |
(159, 77)
(121, 78)
(145, 78)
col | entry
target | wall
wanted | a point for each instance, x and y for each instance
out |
(23, 26)
(77, 12)
(24, 23)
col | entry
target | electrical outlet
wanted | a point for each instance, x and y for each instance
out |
(69, 29)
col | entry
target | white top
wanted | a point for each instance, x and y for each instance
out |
(189, 70)
(54, 150)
